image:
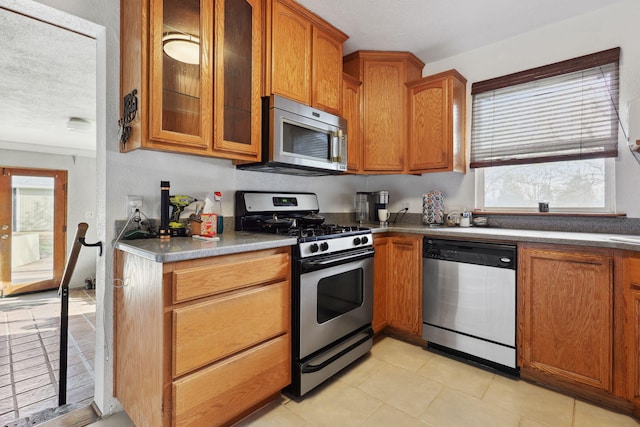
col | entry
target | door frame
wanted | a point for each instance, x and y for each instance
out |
(80, 17)
(59, 228)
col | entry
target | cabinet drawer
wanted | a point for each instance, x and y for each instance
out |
(217, 394)
(211, 330)
(190, 283)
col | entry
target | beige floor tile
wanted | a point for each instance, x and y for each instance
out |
(405, 355)
(453, 408)
(587, 415)
(275, 414)
(527, 422)
(386, 416)
(530, 401)
(457, 375)
(402, 389)
(333, 404)
(361, 370)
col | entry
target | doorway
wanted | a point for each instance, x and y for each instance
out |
(73, 18)
(33, 215)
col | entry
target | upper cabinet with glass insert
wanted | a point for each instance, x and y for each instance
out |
(196, 68)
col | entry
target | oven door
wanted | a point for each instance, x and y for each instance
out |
(336, 298)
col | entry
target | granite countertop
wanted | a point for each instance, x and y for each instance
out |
(603, 240)
(185, 248)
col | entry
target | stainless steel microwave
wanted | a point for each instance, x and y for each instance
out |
(300, 140)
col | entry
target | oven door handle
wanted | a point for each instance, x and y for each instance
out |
(315, 264)
(308, 368)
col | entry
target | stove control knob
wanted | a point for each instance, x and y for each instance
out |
(324, 246)
(365, 240)
(356, 241)
(313, 248)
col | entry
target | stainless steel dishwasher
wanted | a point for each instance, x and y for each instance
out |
(469, 301)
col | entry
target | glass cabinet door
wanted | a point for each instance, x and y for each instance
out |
(181, 72)
(237, 89)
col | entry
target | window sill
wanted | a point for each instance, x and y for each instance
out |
(553, 214)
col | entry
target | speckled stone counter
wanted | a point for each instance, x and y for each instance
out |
(602, 240)
(185, 248)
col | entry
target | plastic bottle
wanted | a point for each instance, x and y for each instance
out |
(217, 199)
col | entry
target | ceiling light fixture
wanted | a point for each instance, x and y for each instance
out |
(78, 123)
(182, 47)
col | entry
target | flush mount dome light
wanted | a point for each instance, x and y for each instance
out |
(182, 47)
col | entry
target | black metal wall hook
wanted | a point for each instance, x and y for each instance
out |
(83, 243)
(129, 110)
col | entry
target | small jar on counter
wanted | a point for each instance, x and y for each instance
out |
(465, 219)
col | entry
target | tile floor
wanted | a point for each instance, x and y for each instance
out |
(29, 352)
(402, 385)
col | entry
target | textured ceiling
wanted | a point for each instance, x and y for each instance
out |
(437, 29)
(47, 74)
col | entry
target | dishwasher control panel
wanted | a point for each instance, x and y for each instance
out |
(481, 253)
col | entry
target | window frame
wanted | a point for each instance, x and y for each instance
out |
(528, 76)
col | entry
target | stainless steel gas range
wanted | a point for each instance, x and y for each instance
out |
(332, 282)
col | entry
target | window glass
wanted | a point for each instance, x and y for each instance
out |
(571, 186)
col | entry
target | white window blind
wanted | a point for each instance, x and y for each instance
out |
(562, 111)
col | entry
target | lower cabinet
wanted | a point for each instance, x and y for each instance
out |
(201, 342)
(565, 314)
(398, 279)
(224, 389)
(630, 333)
(579, 322)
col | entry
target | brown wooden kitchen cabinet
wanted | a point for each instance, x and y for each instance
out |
(628, 375)
(304, 56)
(351, 93)
(385, 115)
(437, 107)
(201, 342)
(404, 285)
(202, 100)
(380, 282)
(565, 315)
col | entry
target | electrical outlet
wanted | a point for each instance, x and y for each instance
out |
(404, 205)
(133, 203)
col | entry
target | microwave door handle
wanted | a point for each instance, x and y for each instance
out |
(333, 152)
(336, 139)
